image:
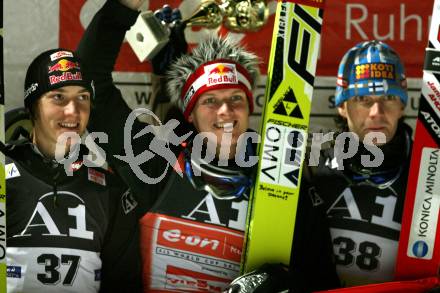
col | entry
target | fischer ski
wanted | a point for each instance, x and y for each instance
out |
(419, 245)
(290, 78)
(2, 174)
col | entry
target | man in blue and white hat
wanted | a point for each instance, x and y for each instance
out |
(371, 89)
(364, 204)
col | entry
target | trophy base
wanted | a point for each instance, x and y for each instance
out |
(147, 36)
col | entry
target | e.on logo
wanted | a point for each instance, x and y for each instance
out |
(177, 236)
(201, 239)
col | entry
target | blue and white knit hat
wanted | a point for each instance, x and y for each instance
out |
(370, 68)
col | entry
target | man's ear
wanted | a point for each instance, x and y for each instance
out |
(190, 118)
(342, 109)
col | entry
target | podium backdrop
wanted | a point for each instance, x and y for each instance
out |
(31, 26)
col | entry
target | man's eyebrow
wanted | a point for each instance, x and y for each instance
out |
(62, 90)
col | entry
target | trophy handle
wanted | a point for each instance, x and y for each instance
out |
(209, 14)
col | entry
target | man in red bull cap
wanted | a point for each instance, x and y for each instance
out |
(61, 211)
(192, 222)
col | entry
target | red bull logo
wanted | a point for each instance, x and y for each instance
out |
(54, 79)
(63, 65)
(221, 69)
(221, 73)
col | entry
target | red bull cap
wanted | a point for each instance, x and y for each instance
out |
(50, 70)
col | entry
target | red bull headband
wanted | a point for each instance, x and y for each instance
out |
(214, 75)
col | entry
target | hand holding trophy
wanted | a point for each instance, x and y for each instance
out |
(171, 20)
(150, 33)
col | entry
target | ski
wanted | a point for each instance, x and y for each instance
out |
(419, 245)
(290, 78)
(2, 172)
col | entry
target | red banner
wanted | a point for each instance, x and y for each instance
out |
(402, 24)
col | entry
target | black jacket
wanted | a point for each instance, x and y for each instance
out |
(59, 226)
(363, 206)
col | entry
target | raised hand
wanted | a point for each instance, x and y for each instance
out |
(177, 46)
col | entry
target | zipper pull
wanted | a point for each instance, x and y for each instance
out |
(55, 190)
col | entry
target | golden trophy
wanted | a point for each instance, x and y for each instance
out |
(148, 35)
(242, 16)
(237, 15)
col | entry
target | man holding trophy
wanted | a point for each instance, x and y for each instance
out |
(192, 221)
